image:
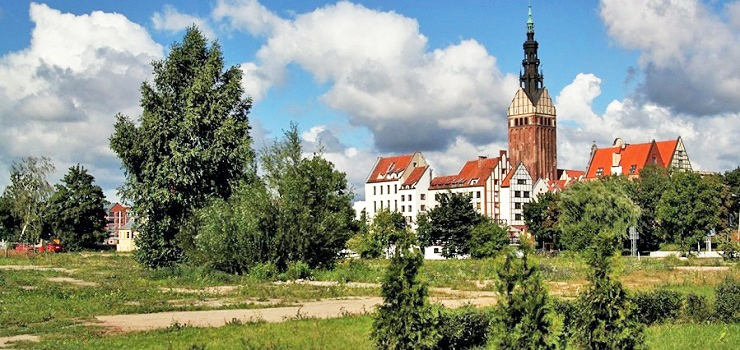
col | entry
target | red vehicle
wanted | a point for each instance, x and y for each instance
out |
(51, 247)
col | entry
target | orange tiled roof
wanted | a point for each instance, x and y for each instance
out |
(574, 174)
(479, 169)
(631, 155)
(507, 179)
(415, 176)
(390, 168)
(666, 149)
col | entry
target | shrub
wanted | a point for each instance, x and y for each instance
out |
(297, 270)
(658, 305)
(567, 312)
(696, 308)
(487, 239)
(263, 272)
(727, 300)
(463, 328)
(404, 320)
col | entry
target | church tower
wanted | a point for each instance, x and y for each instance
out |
(532, 117)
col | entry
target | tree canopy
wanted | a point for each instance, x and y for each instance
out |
(190, 144)
(28, 195)
(77, 210)
(451, 223)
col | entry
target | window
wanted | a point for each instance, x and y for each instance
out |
(389, 204)
(396, 204)
(422, 196)
(477, 194)
(403, 198)
(423, 208)
(381, 189)
(375, 190)
(381, 205)
(517, 205)
(395, 188)
(518, 217)
(436, 250)
(389, 189)
(526, 194)
(409, 198)
(599, 171)
(375, 206)
(409, 208)
(633, 167)
(517, 194)
(521, 181)
(403, 208)
(477, 205)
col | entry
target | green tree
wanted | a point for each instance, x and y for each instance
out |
(587, 208)
(9, 223)
(649, 189)
(314, 203)
(28, 195)
(423, 229)
(382, 234)
(191, 144)
(452, 222)
(541, 218)
(689, 208)
(594, 218)
(236, 234)
(487, 239)
(405, 320)
(732, 200)
(524, 319)
(77, 211)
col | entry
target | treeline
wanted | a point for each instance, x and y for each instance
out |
(674, 208)
(32, 209)
(199, 190)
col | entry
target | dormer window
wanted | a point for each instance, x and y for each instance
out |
(599, 171)
(473, 181)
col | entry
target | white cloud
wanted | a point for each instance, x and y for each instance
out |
(710, 141)
(59, 96)
(385, 79)
(689, 54)
(174, 21)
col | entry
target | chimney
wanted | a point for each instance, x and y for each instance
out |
(480, 160)
(616, 158)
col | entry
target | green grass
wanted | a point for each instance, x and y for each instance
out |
(341, 333)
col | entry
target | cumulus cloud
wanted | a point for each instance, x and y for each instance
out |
(710, 141)
(59, 96)
(173, 21)
(689, 54)
(385, 79)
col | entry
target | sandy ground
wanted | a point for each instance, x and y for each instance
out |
(7, 342)
(34, 267)
(702, 268)
(215, 318)
(72, 281)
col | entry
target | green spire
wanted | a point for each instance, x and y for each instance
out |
(530, 21)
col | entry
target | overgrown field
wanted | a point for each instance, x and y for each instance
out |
(55, 296)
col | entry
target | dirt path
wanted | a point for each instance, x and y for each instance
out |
(217, 318)
(35, 268)
(7, 342)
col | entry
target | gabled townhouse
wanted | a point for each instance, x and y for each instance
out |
(116, 216)
(516, 190)
(398, 183)
(481, 179)
(566, 177)
(629, 159)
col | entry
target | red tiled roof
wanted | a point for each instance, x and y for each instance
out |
(415, 176)
(390, 165)
(574, 174)
(635, 154)
(507, 179)
(479, 169)
(666, 149)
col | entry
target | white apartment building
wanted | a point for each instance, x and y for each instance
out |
(516, 190)
(481, 179)
(398, 183)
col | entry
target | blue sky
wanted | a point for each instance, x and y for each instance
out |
(374, 78)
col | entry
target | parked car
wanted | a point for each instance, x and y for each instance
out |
(51, 248)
